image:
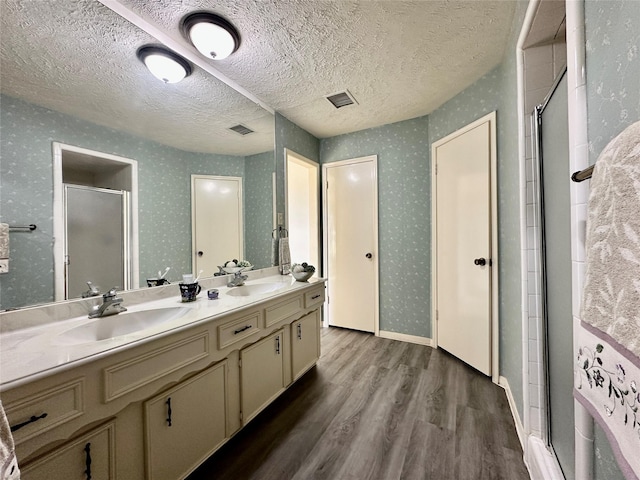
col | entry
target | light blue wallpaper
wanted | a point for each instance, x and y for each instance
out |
(291, 136)
(258, 200)
(613, 69)
(27, 132)
(612, 31)
(404, 216)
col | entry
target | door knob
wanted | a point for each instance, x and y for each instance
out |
(480, 261)
(368, 255)
(200, 253)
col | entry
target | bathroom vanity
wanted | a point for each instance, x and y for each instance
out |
(155, 402)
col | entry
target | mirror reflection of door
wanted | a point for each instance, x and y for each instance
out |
(95, 226)
(217, 222)
(302, 209)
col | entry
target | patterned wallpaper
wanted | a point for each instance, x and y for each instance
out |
(404, 230)
(612, 31)
(613, 69)
(258, 212)
(27, 132)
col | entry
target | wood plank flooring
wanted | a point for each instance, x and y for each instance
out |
(377, 409)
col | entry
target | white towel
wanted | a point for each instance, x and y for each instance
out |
(4, 240)
(8, 462)
(607, 340)
(285, 256)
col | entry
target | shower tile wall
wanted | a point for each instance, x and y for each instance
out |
(541, 66)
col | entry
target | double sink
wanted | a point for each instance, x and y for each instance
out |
(127, 323)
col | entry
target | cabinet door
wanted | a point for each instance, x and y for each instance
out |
(305, 343)
(262, 374)
(185, 424)
(89, 456)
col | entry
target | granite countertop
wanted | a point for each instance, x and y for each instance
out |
(34, 352)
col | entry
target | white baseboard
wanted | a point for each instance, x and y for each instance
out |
(542, 464)
(403, 337)
(504, 383)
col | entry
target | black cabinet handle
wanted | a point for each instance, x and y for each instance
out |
(200, 253)
(33, 419)
(168, 402)
(246, 327)
(278, 345)
(299, 331)
(316, 296)
(480, 261)
(87, 460)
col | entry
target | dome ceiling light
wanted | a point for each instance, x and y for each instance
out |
(212, 35)
(164, 64)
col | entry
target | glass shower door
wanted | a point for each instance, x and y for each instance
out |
(95, 243)
(553, 157)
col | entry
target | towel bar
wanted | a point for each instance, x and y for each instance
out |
(30, 227)
(582, 175)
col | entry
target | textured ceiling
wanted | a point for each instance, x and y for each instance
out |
(79, 58)
(399, 59)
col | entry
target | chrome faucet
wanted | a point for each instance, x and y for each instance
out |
(237, 280)
(92, 292)
(111, 305)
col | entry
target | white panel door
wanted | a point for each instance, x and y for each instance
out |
(463, 245)
(352, 238)
(216, 222)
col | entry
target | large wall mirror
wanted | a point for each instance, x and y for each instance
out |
(70, 76)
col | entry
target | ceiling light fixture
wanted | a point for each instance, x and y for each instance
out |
(164, 64)
(212, 35)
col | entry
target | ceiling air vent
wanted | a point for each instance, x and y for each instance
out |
(241, 129)
(341, 99)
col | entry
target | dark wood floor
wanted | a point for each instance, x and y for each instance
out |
(377, 409)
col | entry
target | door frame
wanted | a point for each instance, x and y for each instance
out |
(311, 164)
(59, 221)
(493, 160)
(373, 159)
(239, 180)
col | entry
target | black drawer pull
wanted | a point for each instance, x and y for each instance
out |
(246, 327)
(316, 296)
(87, 449)
(168, 402)
(33, 418)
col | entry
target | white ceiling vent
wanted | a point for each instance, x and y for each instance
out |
(341, 99)
(241, 129)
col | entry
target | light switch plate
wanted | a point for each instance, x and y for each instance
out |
(4, 265)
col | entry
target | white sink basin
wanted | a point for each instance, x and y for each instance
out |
(113, 326)
(255, 289)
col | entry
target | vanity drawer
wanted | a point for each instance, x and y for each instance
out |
(282, 310)
(238, 329)
(125, 377)
(45, 410)
(314, 297)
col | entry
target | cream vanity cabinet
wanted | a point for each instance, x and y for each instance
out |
(262, 373)
(90, 456)
(185, 424)
(158, 409)
(305, 343)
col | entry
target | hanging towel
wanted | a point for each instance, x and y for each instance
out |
(607, 380)
(4, 240)
(285, 256)
(8, 463)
